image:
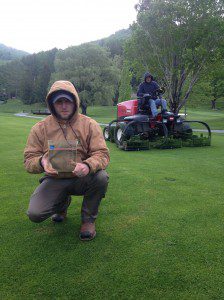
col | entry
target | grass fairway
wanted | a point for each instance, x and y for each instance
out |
(160, 232)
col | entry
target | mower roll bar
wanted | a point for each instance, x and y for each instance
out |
(203, 123)
(112, 123)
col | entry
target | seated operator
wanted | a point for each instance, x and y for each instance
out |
(149, 86)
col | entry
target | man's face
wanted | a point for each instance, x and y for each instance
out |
(64, 108)
(148, 79)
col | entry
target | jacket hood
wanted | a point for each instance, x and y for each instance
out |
(65, 87)
(147, 74)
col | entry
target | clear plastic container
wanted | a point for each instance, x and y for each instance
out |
(62, 155)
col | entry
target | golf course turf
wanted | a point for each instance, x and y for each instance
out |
(160, 231)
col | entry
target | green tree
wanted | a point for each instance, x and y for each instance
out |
(38, 68)
(115, 42)
(217, 78)
(92, 71)
(125, 84)
(11, 75)
(176, 40)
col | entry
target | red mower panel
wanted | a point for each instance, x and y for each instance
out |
(127, 108)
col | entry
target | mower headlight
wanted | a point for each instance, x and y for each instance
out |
(178, 121)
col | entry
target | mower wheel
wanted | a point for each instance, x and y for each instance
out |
(106, 133)
(118, 135)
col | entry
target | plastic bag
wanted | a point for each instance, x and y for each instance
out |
(62, 155)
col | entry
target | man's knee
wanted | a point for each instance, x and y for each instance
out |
(34, 216)
(101, 178)
(99, 182)
(97, 185)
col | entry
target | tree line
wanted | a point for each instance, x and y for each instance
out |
(94, 68)
(179, 41)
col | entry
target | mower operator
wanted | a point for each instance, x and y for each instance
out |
(149, 86)
(87, 176)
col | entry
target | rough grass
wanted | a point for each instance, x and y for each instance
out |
(16, 105)
(215, 118)
(160, 232)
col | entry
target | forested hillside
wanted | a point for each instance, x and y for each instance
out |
(115, 43)
(189, 66)
(94, 68)
(27, 78)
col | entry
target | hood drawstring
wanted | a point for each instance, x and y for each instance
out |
(74, 134)
(63, 133)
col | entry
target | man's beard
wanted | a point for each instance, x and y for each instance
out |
(66, 118)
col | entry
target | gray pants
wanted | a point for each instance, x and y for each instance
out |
(51, 196)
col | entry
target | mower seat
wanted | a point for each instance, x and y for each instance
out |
(143, 105)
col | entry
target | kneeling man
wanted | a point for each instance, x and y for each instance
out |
(50, 143)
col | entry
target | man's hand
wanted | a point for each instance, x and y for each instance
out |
(48, 167)
(81, 170)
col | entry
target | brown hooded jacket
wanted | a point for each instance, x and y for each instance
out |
(92, 148)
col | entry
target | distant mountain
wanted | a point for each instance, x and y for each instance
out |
(115, 42)
(8, 54)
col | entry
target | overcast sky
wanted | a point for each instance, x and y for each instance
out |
(36, 25)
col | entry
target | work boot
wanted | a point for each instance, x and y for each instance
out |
(87, 232)
(60, 217)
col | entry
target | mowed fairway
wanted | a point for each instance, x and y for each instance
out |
(160, 232)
